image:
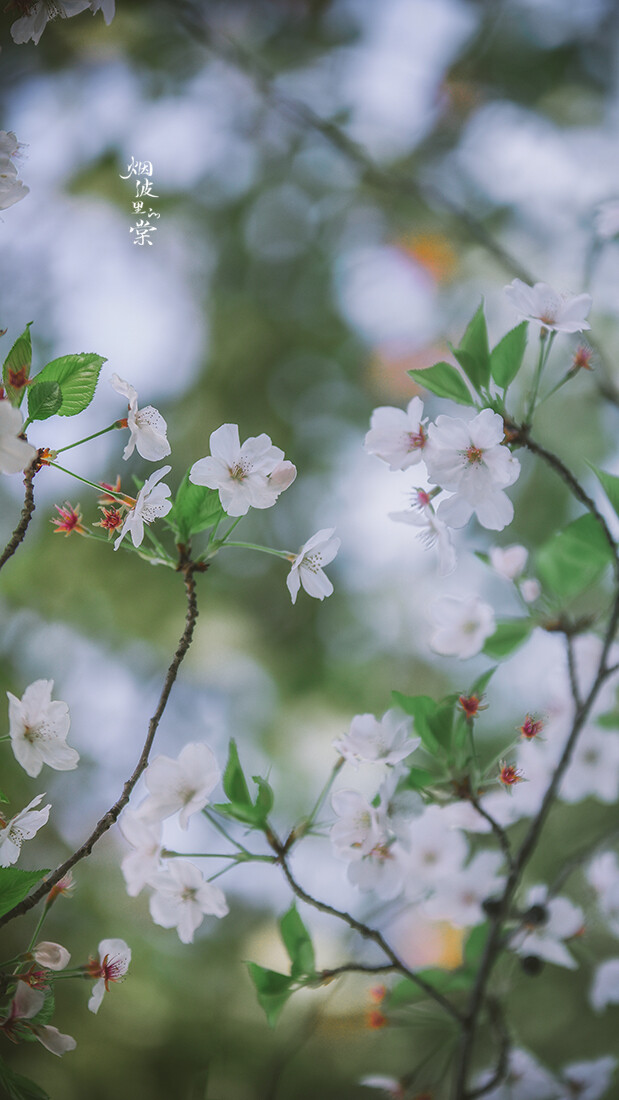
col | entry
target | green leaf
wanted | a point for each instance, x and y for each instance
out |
(506, 358)
(17, 361)
(473, 354)
(77, 377)
(298, 944)
(273, 990)
(16, 1087)
(15, 885)
(264, 800)
(421, 707)
(441, 724)
(508, 636)
(610, 485)
(418, 778)
(44, 399)
(444, 380)
(443, 981)
(573, 558)
(234, 782)
(195, 509)
(609, 720)
(482, 682)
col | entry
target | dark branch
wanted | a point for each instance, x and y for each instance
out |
(498, 831)
(26, 513)
(187, 568)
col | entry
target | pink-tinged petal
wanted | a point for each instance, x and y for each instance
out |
(282, 476)
(225, 444)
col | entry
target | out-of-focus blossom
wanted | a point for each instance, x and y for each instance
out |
(358, 831)
(22, 827)
(435, 850)
(458, 898)
(251, 475)
(433, 533)
(607, 219)
(182, 898)
(605, 988)
(560, 313)
(306, 570)
(38, 730)
(139, 866)
(153, 501)
(468, 459)
(587, 1080)
(111, 966)
(147, 427)
(508, 561)
(594, 768)
(181, 785)
(564, 920)
(525, 1080)
(603, 874)
(396, 436)
(51, 955)
(530, 590)
(11, 188)
(369, 741)
(15, 453)
(462, 626)
(389, 1085)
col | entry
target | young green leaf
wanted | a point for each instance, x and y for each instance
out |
(444, 380)
(610, 485)
(298, 944)
(264, 800)
(77, 377)
(234, 782)
(15, 1087)
(473, 354)
(441, 724)
(506, 358)
(16, 368)
(482, 682)
(508, 636)
(273, 990)
(44, 399)
(15, 885)
(195, 509)
(417, 779)
(422, 708)
(573, 558)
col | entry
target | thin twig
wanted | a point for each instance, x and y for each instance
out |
(26, 513)
(358, 968)
(187, 568)
(363, 929)
(571, 665)
(500, 1073)
(497, 829)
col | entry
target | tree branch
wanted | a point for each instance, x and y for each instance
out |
(187, 568)
(26, 513)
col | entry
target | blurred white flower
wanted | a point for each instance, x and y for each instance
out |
(15, 453)
(369, 741)
(564, 920)
(111, 966)
(462, 626)
(11, 188)
(183, 784)
(530, 590)
(390, 1085)
(182, 898)
(53, 956)
(153, 501)
(147, 426)
(22, 827)
(139, 866)
(435, 851)
(306, 568)
(561, 313)
(458, 897)
(508, 561)
(594, 768)
(605, 988)
(587, 1080)
(38, 730)
(467, 458)
(607, 219)
(396, 436)
(433, 533)
(251, 475)
(358, 831)
(525, 1080)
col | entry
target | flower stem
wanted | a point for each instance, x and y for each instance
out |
(264, 549)
(93, 485)
(324, 792)
(87, 438)
(545, 344)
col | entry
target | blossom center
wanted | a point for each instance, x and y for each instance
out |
(417, 440)
(474, 455)
(240, 470)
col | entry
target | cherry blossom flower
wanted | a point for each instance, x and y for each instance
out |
(390, 1085)
(251, 475)
(530, 590)
(564, 920)
(15, 453)
(358, 831)
(306, 571)
(458, 898)
(397, 437)
(603, 874)
(139, 866)
(147, 426)
(38, 730)
(509, 774)
(152, 503)
(22, 827)
(531, 727)
(508, 561)
(37, 15)
(525, 1080)
(11, 188)
(587, 1080)
(433, 533)
(560, 313)
(605, 988)
(462, 626)
(68, 521)
(53, 956)
(111, 966)
(369, 741)
(467, 458)
(25, 1006)
(435, 851)
(183, 784)
(182, 898)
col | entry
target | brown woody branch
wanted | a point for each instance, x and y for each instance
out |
(26, 513)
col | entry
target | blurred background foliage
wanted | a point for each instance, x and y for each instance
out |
(335, 181)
